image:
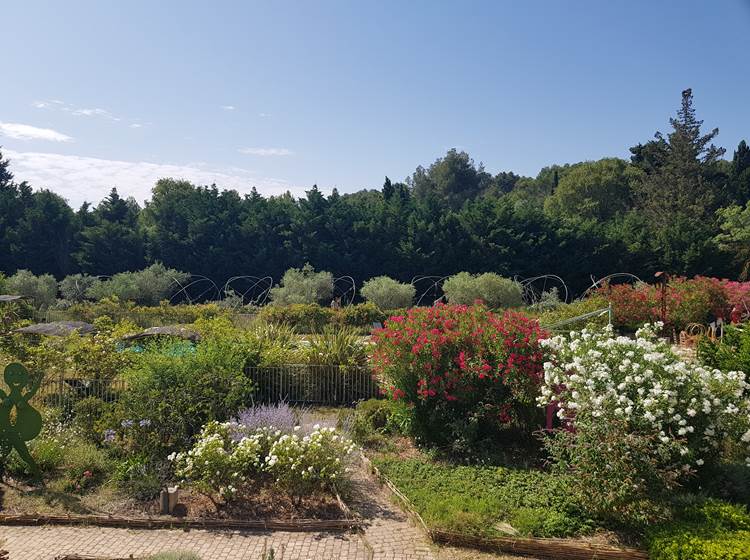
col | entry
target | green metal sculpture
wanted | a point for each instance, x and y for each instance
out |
(28, 421)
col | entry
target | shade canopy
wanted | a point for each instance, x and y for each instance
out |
(58, 328)
(176, 331)
(7, 298)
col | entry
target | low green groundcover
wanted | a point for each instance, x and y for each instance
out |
(478, 500)
(711, 531)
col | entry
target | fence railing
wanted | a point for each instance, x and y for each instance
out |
(297, 384)
(62, 391)
(591, 315)
(309, 384)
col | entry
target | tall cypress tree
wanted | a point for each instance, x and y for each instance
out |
(739, 176)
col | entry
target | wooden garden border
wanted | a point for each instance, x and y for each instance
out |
(541, 548)
(85, 557)
(300, 525)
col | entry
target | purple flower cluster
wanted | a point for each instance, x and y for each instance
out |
(280, 416)
(145, 423)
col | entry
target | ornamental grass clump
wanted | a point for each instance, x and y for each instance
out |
(731, 351)
(636, 420)
(466, 373)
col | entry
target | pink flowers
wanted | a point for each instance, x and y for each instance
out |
(697, 300)
(461, 356)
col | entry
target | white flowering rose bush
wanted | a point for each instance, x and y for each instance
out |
(636, 419)
(224, 464)
(217, 464)
(301, 465)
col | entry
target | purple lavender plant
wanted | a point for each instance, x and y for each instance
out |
(280, 416)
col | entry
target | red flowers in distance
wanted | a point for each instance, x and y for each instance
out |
(697, 300)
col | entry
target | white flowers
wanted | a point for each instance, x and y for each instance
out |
(595, 376)
(313, 461)
(296, 463)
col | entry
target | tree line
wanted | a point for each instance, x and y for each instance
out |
(679, 204)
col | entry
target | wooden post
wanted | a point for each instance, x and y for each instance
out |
(172, 498)
(164, 502)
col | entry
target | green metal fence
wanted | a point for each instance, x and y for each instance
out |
(59, 391)
(300, 384)
(307, 384)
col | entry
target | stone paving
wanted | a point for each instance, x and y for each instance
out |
(389, 535)
(389, 532)
(45, 543)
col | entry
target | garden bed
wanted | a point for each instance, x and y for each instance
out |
(265, 504)
(105, 506)
(487, 537)
(313, 525)
(526, 511)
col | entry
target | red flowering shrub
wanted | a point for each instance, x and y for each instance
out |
(632, 304)
(464, 371)
(697, 300)
(738, 298)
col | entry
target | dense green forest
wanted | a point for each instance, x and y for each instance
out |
(680, 204)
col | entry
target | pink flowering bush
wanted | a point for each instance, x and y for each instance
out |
(738, 299)
(697, 300)
(464, 372)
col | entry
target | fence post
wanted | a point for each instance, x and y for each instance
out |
(61, 388)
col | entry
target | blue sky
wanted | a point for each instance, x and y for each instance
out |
(282, 95)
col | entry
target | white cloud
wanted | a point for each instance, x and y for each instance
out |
(136, 125)
(228, 107)
(42, 104)
(266, 151)
(264, 115)
(80, 178)
(96, 112)
(56, 104)
(27, 132)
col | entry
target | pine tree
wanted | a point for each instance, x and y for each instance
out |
(679, 198)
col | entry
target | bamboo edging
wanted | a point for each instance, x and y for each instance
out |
(300, 525)
(80, 557)
(539, 548)
(552, 549)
